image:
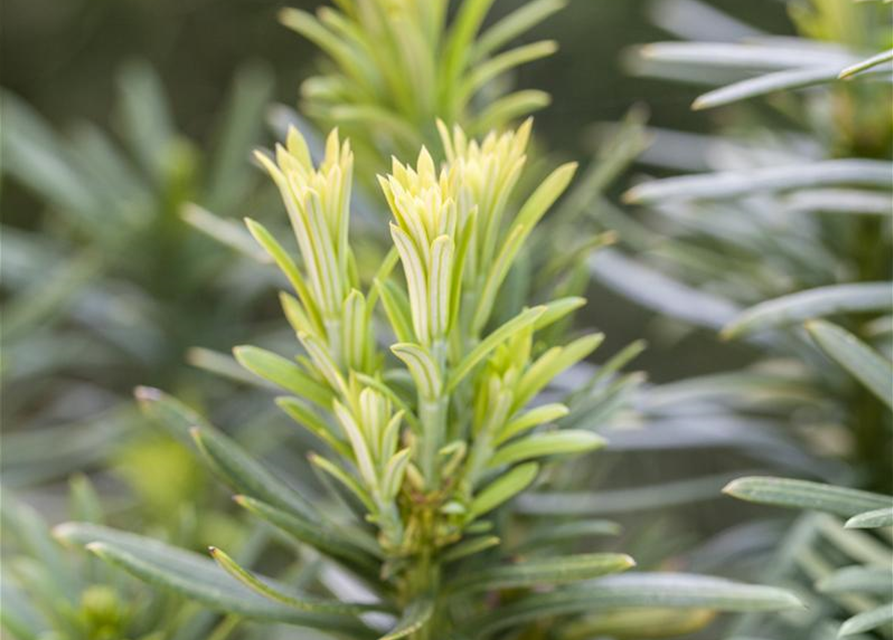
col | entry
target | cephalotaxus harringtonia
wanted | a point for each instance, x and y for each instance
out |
(431, 441)
(428, 403)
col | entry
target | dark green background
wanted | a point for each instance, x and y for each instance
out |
(62, 57)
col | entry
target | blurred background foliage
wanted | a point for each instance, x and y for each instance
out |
(77, 50)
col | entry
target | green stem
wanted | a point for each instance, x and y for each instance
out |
(871, 434)
(424, 578)
(432, 414)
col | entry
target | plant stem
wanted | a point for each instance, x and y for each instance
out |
(424, 579)
(432, 414)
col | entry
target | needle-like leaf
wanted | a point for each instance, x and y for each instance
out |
(803, 494)
(503, 488)
(872, 519)
(547, 444)
(813, 303)
(544, 571)
(195, 577)
(866, 365)
(269, 590)
(247, 475)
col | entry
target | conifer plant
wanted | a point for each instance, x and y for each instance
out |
(429, 443)
(429, 419)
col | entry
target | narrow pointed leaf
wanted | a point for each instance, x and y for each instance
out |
(224, 230)
(500, 335)
(146, 117)
(867, 621)
(803, 494)
(813, 303)
(525, 17)
(785, 80)
(503, 488)
(422, 367)
(865, 364)
(195, 577)
(868, 63)
(469, 547)
(347, 480)
(858, 579)
(558, 309)
(288, 267)
(718, 186)
(283, 373)
(872, 519)
(169, 413)
(510, 107)
(637, 590)
(396, 307)
(530, 419)
(225, 366)
(736, 55)
(414, 618)
(249, 476)
(320, 536)
(547, 444)
(240, 129)
(269, 590)
(545, 571)
(639, 623)
(573, 531)
(551, 363)
(305, 416)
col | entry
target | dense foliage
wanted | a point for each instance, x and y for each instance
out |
(434, 262)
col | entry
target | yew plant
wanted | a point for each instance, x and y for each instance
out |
(391, 68)
(430, 419)
(432, 440)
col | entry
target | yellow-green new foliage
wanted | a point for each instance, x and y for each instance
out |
(421, 460)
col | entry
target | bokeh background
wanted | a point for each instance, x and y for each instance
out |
(63, 59)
